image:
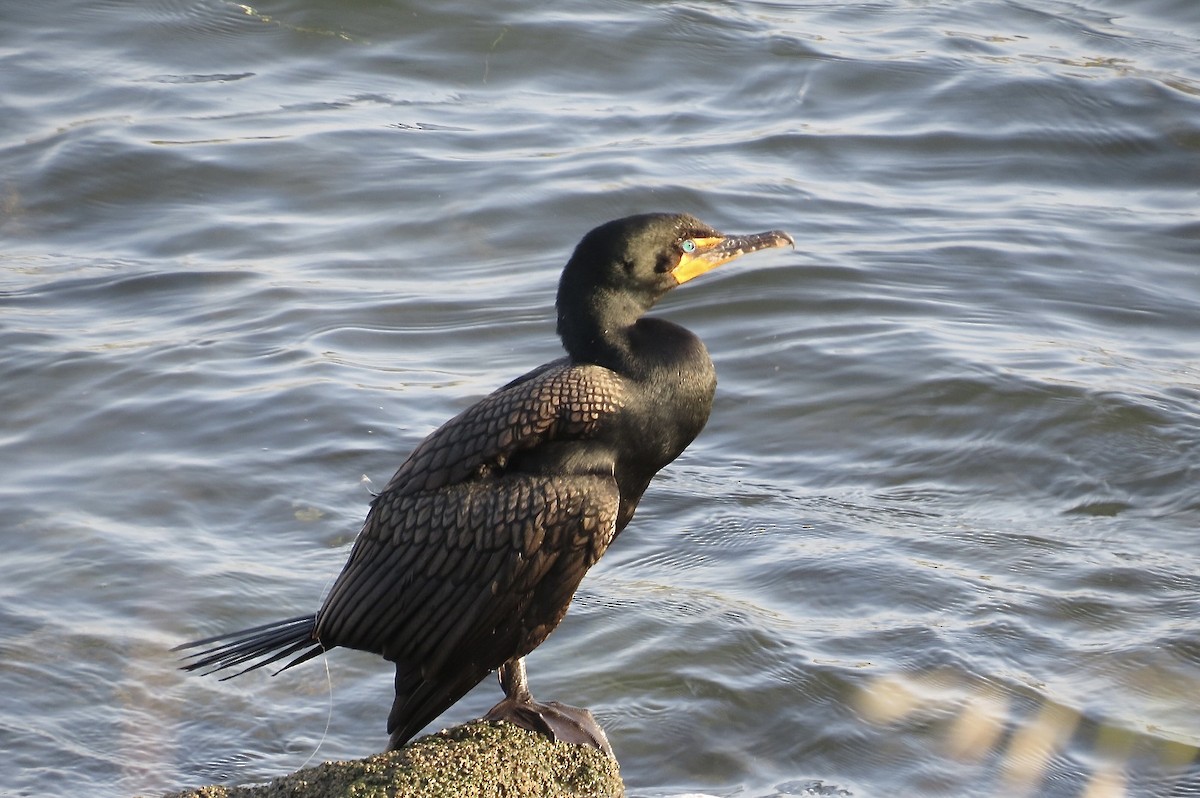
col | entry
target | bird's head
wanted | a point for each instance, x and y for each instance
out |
(621, 268)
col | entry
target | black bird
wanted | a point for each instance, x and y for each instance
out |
(471, 554)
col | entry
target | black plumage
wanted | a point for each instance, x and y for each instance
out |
(470, 555)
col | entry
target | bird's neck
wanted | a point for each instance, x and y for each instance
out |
(601, 330)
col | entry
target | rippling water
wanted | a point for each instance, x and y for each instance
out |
(940, 536)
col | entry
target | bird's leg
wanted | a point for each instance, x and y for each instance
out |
(557, 721)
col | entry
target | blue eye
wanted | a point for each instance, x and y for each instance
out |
(688, 245)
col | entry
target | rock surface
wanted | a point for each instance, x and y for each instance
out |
(476, 760)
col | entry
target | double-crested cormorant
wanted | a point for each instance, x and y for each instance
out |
(469, 557)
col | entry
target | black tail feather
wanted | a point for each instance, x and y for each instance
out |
(268, 644)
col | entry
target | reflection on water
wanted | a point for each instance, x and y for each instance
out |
(982, 722)
(938, 538)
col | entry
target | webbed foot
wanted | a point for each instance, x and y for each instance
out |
(556, 721)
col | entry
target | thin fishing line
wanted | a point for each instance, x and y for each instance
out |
(329, 713)
(329, 684)
(366, 481)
